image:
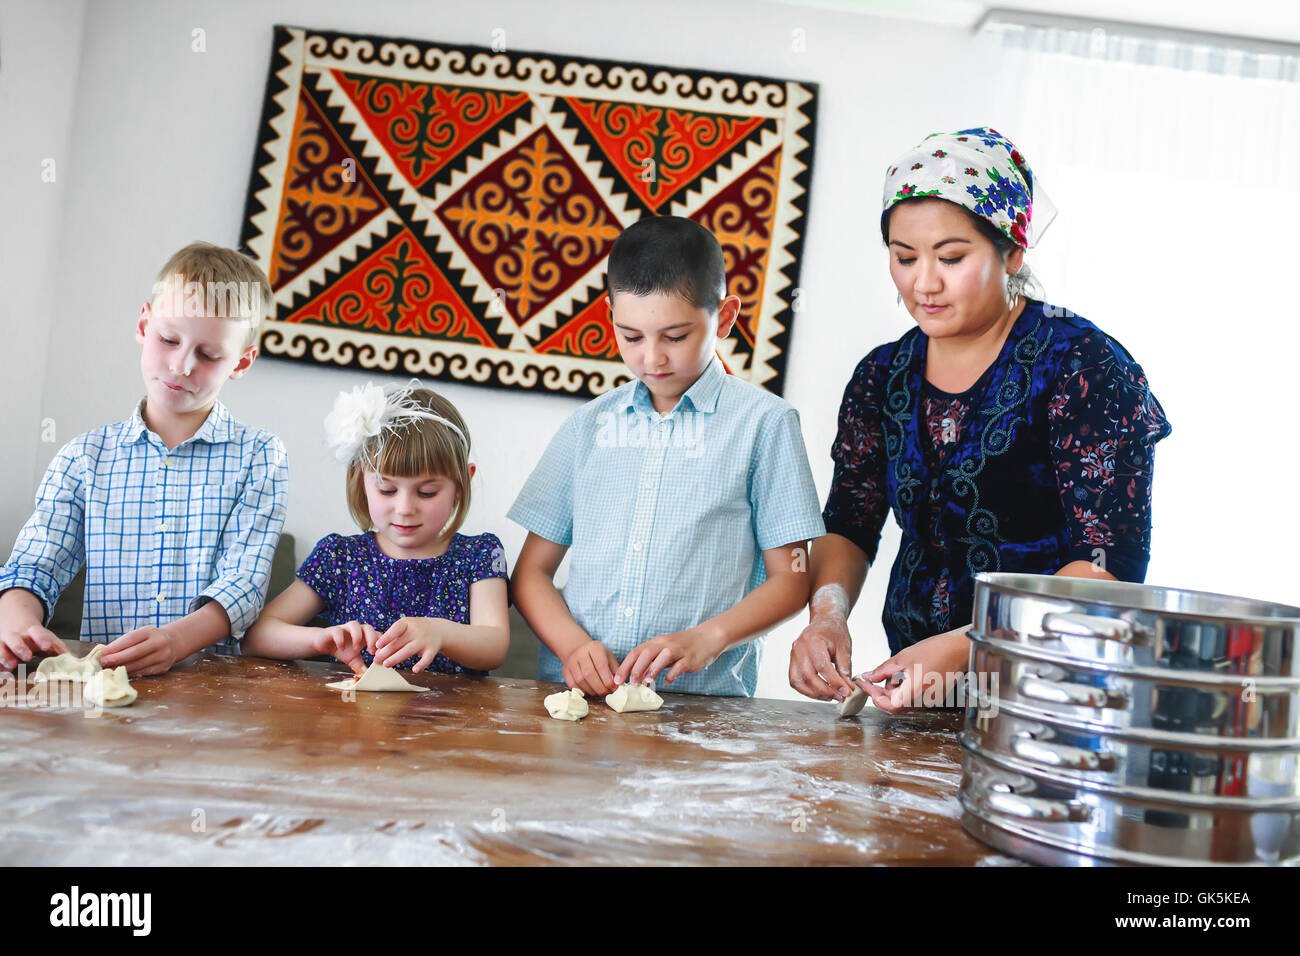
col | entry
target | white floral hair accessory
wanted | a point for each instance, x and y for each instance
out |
(369, 412)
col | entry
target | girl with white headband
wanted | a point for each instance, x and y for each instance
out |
(409, 592)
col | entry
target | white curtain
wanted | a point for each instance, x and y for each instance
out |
(1178, 234)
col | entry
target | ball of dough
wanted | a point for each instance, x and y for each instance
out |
(567, 705)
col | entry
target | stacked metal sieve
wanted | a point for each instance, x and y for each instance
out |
(1125, 723)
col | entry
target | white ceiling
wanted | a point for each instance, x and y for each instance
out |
(1277, 20)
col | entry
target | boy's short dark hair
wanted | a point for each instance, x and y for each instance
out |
(669, 254)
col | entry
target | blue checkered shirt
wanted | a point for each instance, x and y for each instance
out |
(667, 516)
(161, 532)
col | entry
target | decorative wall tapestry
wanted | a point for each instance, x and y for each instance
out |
(447, 211)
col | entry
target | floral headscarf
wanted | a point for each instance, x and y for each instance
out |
(977, 168)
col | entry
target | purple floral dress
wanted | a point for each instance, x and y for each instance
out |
(1045, 460)
(358, 582)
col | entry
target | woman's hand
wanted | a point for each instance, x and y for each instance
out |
(927, 669)
(820, 659)
(408, 636)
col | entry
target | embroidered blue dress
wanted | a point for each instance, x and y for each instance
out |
(1045, 460)
(358, 582)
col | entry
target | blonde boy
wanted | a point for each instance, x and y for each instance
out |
(176, 511)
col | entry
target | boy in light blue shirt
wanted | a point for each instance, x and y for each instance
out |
(176, 511)
(685, 495)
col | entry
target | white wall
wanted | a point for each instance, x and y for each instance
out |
(40, 53)
(164, 141)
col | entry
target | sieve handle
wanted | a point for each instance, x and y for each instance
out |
(1035, 808)
(1063, 692)
(1060, 755)
(1057, 624)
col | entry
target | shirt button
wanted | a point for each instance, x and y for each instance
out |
(161, 597)
(627, 612)
(163, 527)
(168, 462)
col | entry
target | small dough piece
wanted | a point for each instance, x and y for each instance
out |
(633, 697)
(69, 666)
(567, 705)
(376, 677)
(109, 688)
(852, 705)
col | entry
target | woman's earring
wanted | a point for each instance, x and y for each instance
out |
(900, 298)
(1015, 285)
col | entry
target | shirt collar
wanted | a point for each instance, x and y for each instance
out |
(135, 426)
(214, 430)
(702, 396)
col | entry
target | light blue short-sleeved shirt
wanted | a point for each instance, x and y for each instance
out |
(160, 531)
(667, 516)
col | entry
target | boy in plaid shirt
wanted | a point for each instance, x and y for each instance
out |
(176, 511)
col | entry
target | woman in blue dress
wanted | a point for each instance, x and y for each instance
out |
(1004, 433)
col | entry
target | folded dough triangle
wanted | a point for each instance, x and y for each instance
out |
(376, 677)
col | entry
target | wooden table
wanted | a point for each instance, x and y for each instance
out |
(246, 761)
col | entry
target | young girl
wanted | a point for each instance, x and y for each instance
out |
(410, 592)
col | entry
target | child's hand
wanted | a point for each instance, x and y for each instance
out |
(346, 641)
(18, 644)
(686, 651)
(407, 636)
(591, 669)
(146, 650)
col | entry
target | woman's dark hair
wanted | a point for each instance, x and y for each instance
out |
(668, 254)
(1003, 243)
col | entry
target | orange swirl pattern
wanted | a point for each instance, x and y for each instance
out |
(462, 220)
